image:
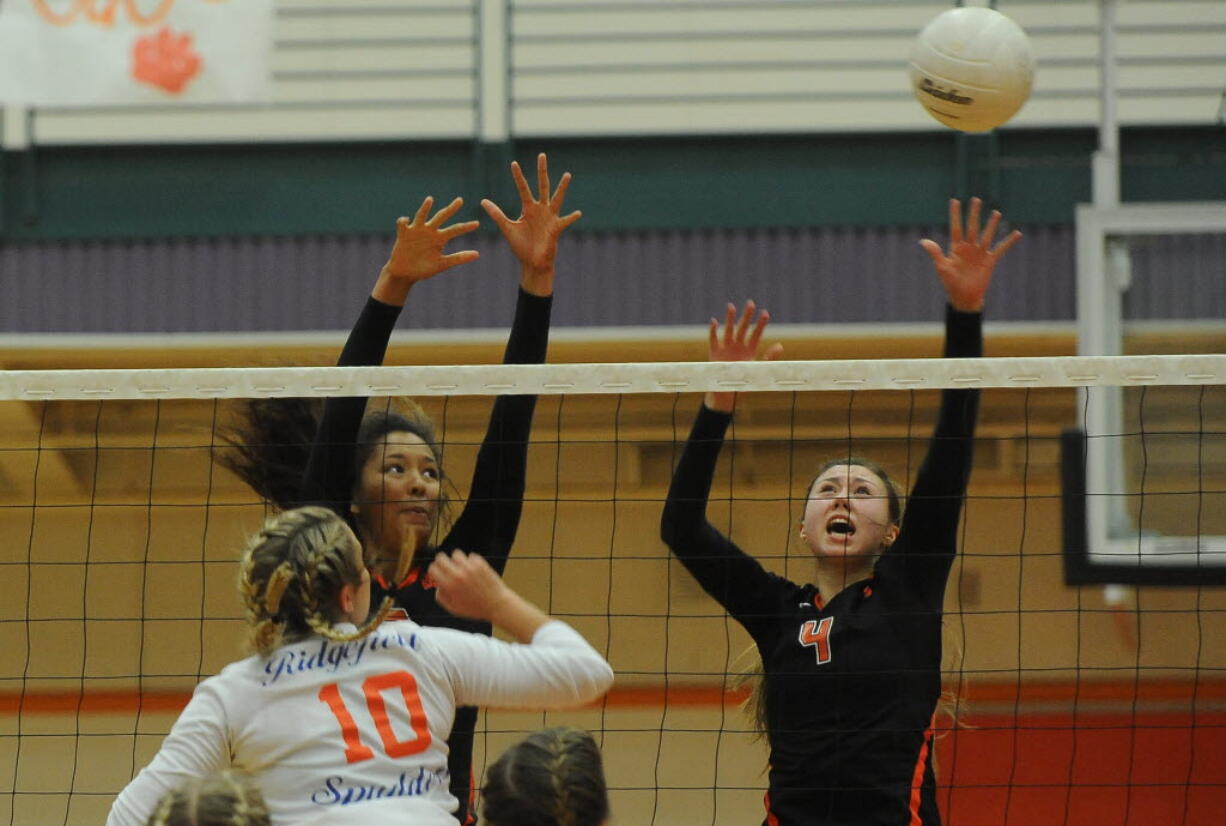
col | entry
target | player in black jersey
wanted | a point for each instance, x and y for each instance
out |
(381, 469)
(851, 664)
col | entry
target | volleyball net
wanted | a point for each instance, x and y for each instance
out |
(1075, 704)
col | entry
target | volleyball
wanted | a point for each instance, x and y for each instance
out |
(972, 68)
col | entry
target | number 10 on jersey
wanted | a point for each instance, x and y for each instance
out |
(372, 689)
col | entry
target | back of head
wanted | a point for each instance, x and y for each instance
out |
(227, 798)
(292, 573)
(553, 777)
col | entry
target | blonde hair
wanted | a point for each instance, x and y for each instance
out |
(291, 575)
(227, 798)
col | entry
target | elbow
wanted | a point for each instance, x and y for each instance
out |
(599, 681)
(670, 524)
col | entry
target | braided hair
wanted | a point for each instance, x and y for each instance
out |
(553, 777)
(292, 573)
(227, 798)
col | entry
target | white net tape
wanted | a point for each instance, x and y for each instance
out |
(654, 377)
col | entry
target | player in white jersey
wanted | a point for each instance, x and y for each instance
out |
(339, 723)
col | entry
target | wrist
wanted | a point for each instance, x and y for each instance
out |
(720, 402)
(389, 289)
(536, 281)
(962, 307)
(503, 607)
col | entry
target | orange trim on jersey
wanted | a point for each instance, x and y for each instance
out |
(412, 576)
(917, 779)
(470, 819)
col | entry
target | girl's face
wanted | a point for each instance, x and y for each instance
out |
(848, 514)
(397, 498)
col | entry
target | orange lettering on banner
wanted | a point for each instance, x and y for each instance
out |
(103, 12)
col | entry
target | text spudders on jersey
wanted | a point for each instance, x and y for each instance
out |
(330, 657)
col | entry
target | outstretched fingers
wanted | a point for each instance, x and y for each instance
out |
(955, 221)
(972, 221)
(1003, 247)
(521, 183)
(989, 231)
(755, 337)
(933, 249)
(542, 177)
(444, 214)
(456, 230)
(423, 211)
(743, 325)
(729, 323)
(491, 209)
(559, 194)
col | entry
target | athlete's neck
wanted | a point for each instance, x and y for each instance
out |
(834, 575)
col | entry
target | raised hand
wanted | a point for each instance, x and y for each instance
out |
(466, 585)
(418, 251)
(533, 236)
(739, 342)
(966, 269)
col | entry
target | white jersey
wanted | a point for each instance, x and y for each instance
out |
(356, 732)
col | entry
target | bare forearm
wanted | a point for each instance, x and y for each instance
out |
(518, 617)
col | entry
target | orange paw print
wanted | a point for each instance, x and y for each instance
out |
(165, 60)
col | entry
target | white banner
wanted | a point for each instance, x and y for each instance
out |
(123, 52)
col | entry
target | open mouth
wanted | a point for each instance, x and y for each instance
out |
(840, 526)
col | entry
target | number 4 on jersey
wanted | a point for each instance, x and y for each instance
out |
(816, 633)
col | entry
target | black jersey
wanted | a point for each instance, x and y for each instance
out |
(851, 686)
(490, 518)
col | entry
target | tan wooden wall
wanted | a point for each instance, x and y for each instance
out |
(122, 578)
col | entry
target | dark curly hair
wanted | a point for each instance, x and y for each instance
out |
(270, 444)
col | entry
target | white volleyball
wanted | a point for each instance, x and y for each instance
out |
(972, 68)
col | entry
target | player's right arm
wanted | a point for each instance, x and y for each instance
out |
(549, 666)
(734, 579)
(416, 256)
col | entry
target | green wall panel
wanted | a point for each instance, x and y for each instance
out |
(631, 183)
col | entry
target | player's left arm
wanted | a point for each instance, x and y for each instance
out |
(490, 518)
(930, 526)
